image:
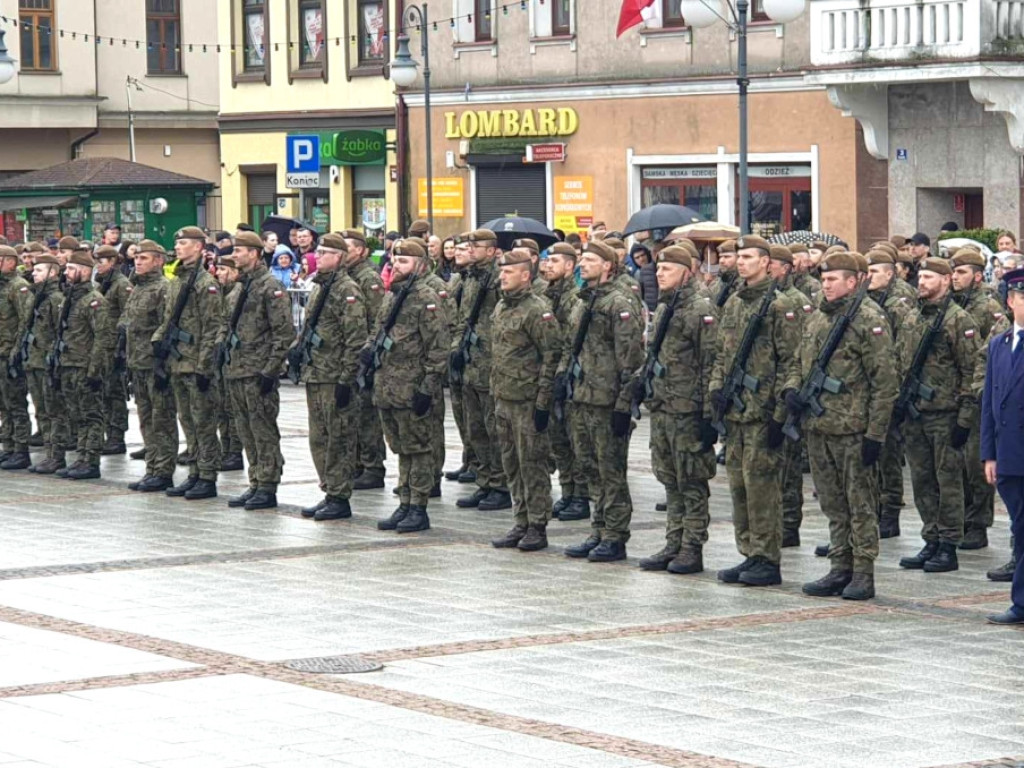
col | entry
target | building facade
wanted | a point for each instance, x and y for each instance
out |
(299, 74)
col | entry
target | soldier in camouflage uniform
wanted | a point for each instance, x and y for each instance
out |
(191, 375)
(115, 289)
(624, 282)
(227, 425)
(564, 295)
(537, 282)
(465, 472)
(755, 456)
(16, 300)
(252, 353)
(935, 441)
(408, 383)
(726, 280)
(143, 314)
(370, 452)
(682, 438)
(330, 377)
(83, 364)
(47, 401)
(802, 279)
(968, 276)
(600, 401)
(525, 354)
(845, 442)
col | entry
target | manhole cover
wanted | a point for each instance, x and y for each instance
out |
(334, 665)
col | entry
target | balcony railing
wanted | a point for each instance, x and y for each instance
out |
(849, 31)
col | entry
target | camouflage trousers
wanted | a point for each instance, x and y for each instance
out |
(890, 475)
(478, 411)
(847, 493)
(370, 439)
(979, 496)
(158, 421)
(437, 441)
(754, 482)
(256, 416)
(409, 436)
(47, 405)
(85, 420)
(331, 440)
(227, 425)
(524, 456)
(115, 408)
(937, 475)
(602, 459)
(792, 485)
(468, 457)
(15, 426)
(197, 413)
(684, 469)
(572, 480)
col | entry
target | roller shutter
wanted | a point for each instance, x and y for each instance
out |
(511, 189)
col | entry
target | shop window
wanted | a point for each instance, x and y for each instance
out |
(261, 190)
(779, 199)
(101, 212)
(371, 26)
(250, 35)
(693, 186)
(132, 220)
(163, 37)
(38, 44)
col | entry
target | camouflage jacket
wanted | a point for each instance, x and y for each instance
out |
(526, 348)
(441, 288)
(371, 286)
(807, 306)
(90, 334)
(949, 368)
(983, 309)
(687, 354)
(45, 327)
(539, 286)
(728, 281)
(418, 358)
(625, 284)
(863, 362)
(808, 285)
(611, 352)
(264, 326)
(1002, 325)
(478, 368)
(142, 316)
(202, 317)
(342, 326)
(772, 357)
(905, 289)
(15, 306)
(116, 289)
(896, 307)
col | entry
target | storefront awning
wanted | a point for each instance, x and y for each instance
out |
(17, 203)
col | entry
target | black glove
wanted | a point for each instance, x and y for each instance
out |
(559, 389)
(959, 437)
(793, 402)
(267, 383)
(202, 382)
(95, 385)
(708, 434)
(718, 402)
(870, 450)
(620, 423)
(775, 434)
(541, 419)
(366, 357)
(421, 403)
(342, 395)
(457, 361)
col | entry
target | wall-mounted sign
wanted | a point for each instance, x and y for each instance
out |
(472, 124)
(573, 202)
(545, 153)
(902, 154)
(356, 147)
(779, 171)
(690, 172)
(449, 197)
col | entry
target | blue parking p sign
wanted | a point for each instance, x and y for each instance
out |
(303, 154)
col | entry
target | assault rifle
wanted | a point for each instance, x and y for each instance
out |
(652, 367)
(16, 366)
(121, 361)
(725, 291)
(818, 380)
(167, 347)
(913, 389)
(382, 342)
(574, 373)
(232, 341)
(301, 354)
(470, 338)
(738, 378)
(59, 345)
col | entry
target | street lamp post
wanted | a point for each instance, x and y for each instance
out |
(7, 68)
(403, 74)
(702, 13)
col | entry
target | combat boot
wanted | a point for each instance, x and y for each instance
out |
(241, 501)
(397, 490)
(583, 548)
(232, 463)
(495, 500)
(391, 523)
(761, 574)
(453, 475)
(135, 486)
(85, 472)
(889, 524)
(416, 520)
(336, 508)
(831, 584)
(311, 511)
(63, 471)
(367, 481)
(182, 488)
(917, 561)
(155, 483)
(5, 455)
(560, 506)
(203, 489)
(1003, 572)
(659, 560)
(36, 440)
(974, 538)
(608, 552)
(435, 492)
(262, 499)
(791, 538)
(578, 509)
(862, 587)
(185, 458)
(689, 560)
(114, 446)
(469, 476)
(472, 501)
(17, 460)
(536, 538)
(732, 575)
(944, 560)
(138, 455)
(48, 466)
(510, 539)
(821, 550)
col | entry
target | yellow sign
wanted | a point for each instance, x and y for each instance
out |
(573, 203)
(449, 197)
(511, 122)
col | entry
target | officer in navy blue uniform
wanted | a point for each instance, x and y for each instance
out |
(1002, 432)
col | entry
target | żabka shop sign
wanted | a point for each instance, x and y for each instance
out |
(356, 147)
(481, 123)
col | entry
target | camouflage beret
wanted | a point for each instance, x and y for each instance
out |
(753, 241)
(527, 243)
(967, 257)
(676, 254)
(82, 259)
(352, 234)
(780, 253)
(35, 248)
(333, 241)
(601, 249)
(481, 236)
(6, 252)
(795, 248)
(227, 261)
(563, 249)
(192, 233)
(936, 265)
(151, 246)
(46, 258)
(69, 244)
(614, 242)
(106, 252)
(729, 246)
(419, 227)
(514, 257)
(409, 247)
(878, 256)
(840, 260)
(248, 240)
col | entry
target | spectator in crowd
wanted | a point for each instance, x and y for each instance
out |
(112, 235)
(51, 245)
(559, 234)
(126, 257)
(576, 242)
(223, 239)
(293, 238)
(948, 227)
(243, 227)
(270, 243)
(285, 269)
(920, 246)
(306, 250)
(647, 276)
(1006, 242)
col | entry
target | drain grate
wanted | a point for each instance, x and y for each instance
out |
(334, 665)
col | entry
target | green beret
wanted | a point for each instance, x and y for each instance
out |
(601, 249)
(753, 241)
(878, 256)
(729, 246)
(409, 247)
(795, 248)
(563, 249)
(780, 253)
(967, 257)
(227, 261)
(6, 252)
(46, 258)
(353, 234)
(527, 243)
(510, 258)
(192, 233)
(82, 259)
(840, 260)
(481, 236)
(936, 265)
(69, 244)
(676, 254)
(334, 241)
(248, 240)
(150, 246)
(106, 252)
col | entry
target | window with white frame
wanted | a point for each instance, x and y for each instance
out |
(552, 18)
(474, 21)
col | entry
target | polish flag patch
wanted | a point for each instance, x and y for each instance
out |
(808, 308)
(278, 294)
(708, 319)
(94, 303)
(877, 331)
(23, 289)
(212, 289)
(969, 333)
(374, 287)
(636, 288)
(350, 299)
(623, 315)
(442, 294)
(995, 315)
(547, 316)
(431, 307)
(790, 315)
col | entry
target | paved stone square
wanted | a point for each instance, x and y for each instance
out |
(137, 630)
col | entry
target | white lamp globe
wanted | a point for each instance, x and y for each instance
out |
(700, 13)
(403, 68)
(784, 11)
(6, 62)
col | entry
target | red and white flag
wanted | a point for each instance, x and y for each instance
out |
(632, 13)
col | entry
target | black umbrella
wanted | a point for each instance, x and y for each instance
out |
(509, 228)
(806, 237)
(663, 216)
(282, 227)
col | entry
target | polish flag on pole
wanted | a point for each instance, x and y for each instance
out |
(632, 13)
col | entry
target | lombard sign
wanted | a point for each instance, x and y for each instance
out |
(355, 147)
(484, 123)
